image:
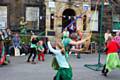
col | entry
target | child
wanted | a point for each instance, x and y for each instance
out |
(40, 50)
(64, 71)
(112, 60)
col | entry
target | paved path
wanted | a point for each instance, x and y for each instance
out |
(20, 70)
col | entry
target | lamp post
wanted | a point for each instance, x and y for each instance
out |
(98, 66)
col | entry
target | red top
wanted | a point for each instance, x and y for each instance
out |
(112, 47)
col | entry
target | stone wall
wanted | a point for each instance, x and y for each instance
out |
(16, 9)
(59, 9)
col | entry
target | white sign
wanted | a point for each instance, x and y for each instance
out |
(51, 4)
(94, 21)
(17, 51)
(86, 7)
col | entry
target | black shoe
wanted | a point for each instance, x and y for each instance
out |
(103, 70)
(105, 73)
(28, 61)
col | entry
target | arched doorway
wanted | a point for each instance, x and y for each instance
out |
(68, 17)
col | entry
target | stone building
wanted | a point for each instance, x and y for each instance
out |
(52, 16)
(12, 10)
(67, 13)
(40, 16)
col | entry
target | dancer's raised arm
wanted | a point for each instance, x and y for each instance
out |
(52, 49)
(79, 42)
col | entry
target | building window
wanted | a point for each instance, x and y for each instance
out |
(84, 22)
(32, 18)
(116, 23)
(3, 17)
(52, 21)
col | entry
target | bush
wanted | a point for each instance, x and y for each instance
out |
(25, 39)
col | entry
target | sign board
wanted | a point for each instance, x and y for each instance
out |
(86, 7)
(17, 51)
(51, 4)
(94, 21)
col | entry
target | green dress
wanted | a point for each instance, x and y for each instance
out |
(33, 45)
(40, 47)
(112, 61)
(64, 74)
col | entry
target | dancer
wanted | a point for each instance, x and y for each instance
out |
(8, 41)
(41, 51)
(74, 48)
(4, 59)
(65, 70)
(112, 59)
(33, 48)
(68, 41)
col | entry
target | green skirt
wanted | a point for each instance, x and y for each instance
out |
(64, 74)
(112, 61)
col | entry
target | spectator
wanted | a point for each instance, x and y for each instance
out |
(15, 43)
(107, 34)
